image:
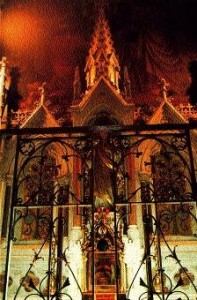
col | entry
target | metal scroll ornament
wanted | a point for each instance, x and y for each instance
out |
(186, 276)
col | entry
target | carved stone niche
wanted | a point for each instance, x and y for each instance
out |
(104, 272)
(102, 263)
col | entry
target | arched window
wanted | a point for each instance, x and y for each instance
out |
(103, 119)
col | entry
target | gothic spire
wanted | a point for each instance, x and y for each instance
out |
(100, 7)
(102, 59)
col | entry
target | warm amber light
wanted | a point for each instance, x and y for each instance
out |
(19, 29)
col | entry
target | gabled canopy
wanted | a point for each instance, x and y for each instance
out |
(40, 118)
(103, 97)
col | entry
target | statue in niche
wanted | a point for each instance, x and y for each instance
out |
(103, 173)
(105, 272)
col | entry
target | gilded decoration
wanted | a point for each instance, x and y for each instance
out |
(2, 280)
(184, 275)
(29, 281)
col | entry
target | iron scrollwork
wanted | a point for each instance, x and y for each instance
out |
(105, 197)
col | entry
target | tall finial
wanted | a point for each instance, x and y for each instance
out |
(127, 83)
(2, 74)
(100, 7)
(164, 88)
(102, 60)
(2, 86)
(42, 93)
(77, 84)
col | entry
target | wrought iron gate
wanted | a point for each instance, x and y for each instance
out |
(101, 211)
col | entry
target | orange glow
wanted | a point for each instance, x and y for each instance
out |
(20, 29)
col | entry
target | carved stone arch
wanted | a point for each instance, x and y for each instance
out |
(96, 112)
(151, 148)
(57, 151)
(148, 148)
(44, 181)
(165, 174)
(103, 118)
